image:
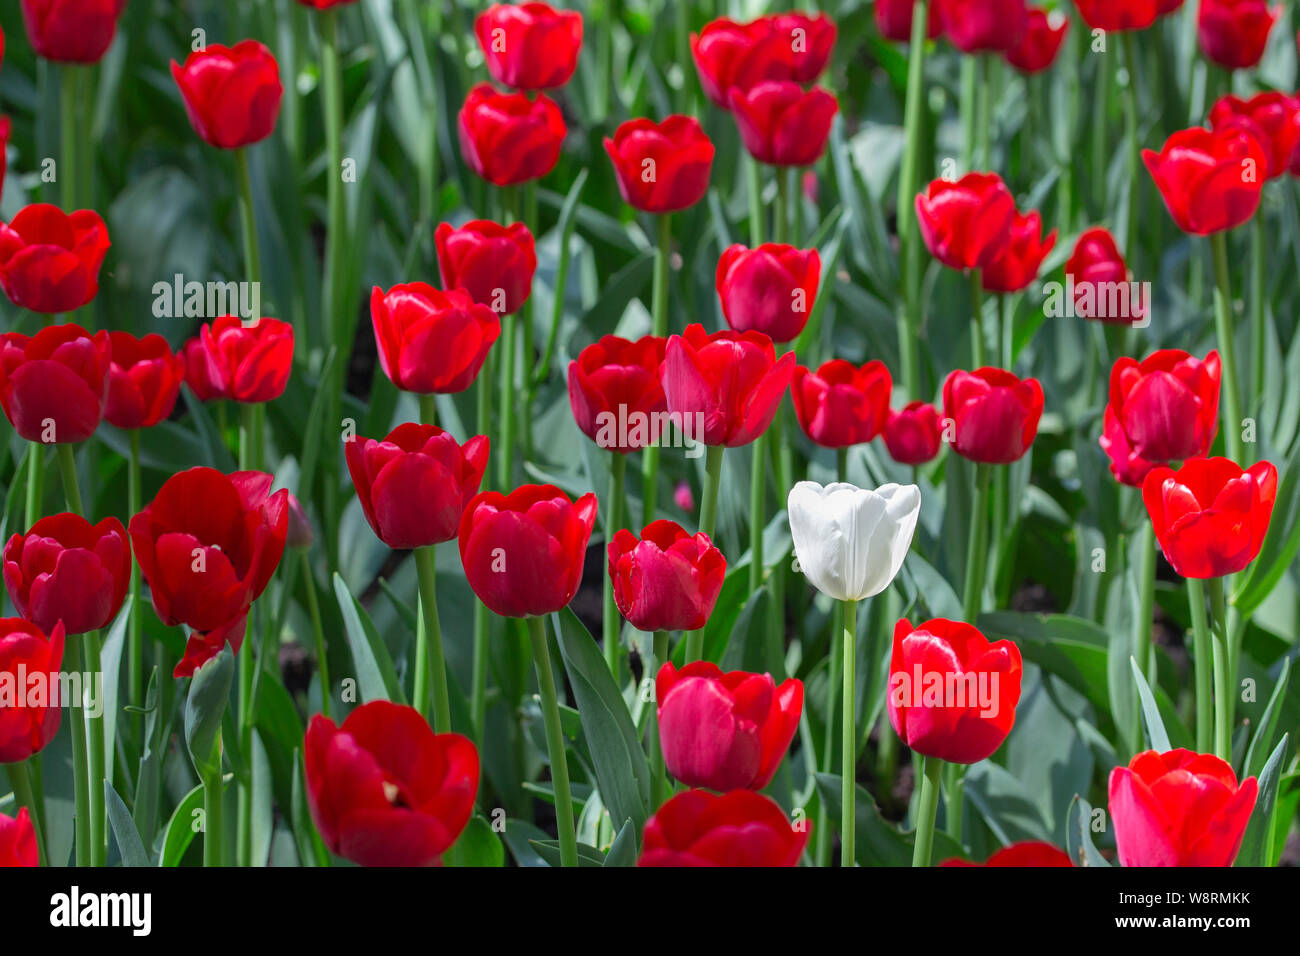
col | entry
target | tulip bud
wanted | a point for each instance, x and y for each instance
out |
(782, 124)
(740, 828)
(894, 19)
(1037, 50)
(1276, 119)
(770, 289)
(18, 840)
(49, 259)
(144, 380)
(1019, 263)
(731, 55)
(913, 434)
(27, 729)
(71, 31)
(1096, 265)
(614, 380)
(66, 570)
(431, 341)
(508, 138)
(966, 224)
(668, 580)
(996, 414)
(1202, 175)
(54, 385)
(840, 405)
(661, 167)
(232, 94)
(975, 26)
(493, 263)
(1167, 406)
(1114, 16)
(1234, 33)
(529, 46)
(248, 363)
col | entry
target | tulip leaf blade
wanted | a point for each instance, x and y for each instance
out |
(1256, 846)
(376, 675)
(549, 850)
(1078, 836)
(129, 844)
(180, 831)
(1281, 543)
(205, 707)
(1156, 732)
(263, 821)
(478, 845)
(1254, 762)
(622, 852)
(110, 665)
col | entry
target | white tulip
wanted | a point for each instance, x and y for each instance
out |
(851, 542)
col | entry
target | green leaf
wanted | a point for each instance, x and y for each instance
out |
(262, 821)
(180, 830)
(129, 844)
(1255, 844)
(1254, 762)
(376, 676)
(477, 845)
(622, 852)
(204, 709)
(1150, 712)
(147, 778)
(877, 842)
(110, 665)
(1078, 835)
(549, 850)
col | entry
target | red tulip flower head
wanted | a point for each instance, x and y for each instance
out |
(770, 289)
(530, 46)
(913, 433)
(661, 167)
(431, 341)
(232, 94)
(18, 840)
(1027, 853)
(248, 362)
(66, 570)
(54, 385)
(967, 224)
(810, 40)
(26, 730)
(1210, 179)
(782, 124)
(840, 404)
(196, 370)
(1100, 280)
(995, 414)
(1037, 50)
(71, 31)
(975, 26)
(384, 789)
(144, 380)
(731, 55)
(1019, 263)
(493, 263)
(894, 20)
(1114, 16)
(1233, 33)
(508, 138)
(1276, 118)
(740, 828)
(616, 380)
(668, 579)
(49, 260)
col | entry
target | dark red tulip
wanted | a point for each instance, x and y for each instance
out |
(49, 260)
(71, 31)
(1126, 465)
(913, 433)
(232, 94)
(431, 341)
(782, 124)
(18, 840)
(1210, 179)
(770, 289)
(384, 789)
(26, 730)
(733, 379)
(530, 46)
(1167, 405)
(668, 579)
(1038, 48)
(841, 404)
(731, 55)
(810, 40)
(1167, 6)
(300, 533)
(1233, 33)
(1028, 853)
(740, 828)
(54, 385)
(144, 380)
(66, 570)
(414, 485)
(508, 138)
(995, 414)
(894, 19)
(493, 263)
(196, 371)
(661, 167)
(1099, 276)
(1210, 516)
(966, 224)
(976, 684)
(976, 26)
(1114, 16)
(1019, 263)
(248, 363)
(1179, 809)
(615, 379)
(523, 552)
(1276, 118)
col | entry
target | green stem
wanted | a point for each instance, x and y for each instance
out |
(1203, 650)
(613, 621)
(213, 837)
(757, 485)
(1143, 652)
(35, 481)
(526, 322)
(823, 856)
(781, 224)
(755, 204)
(68, 471)
(977, 319)
(252, 417)
(506, 453)
(969, 80)
(1222, 671)
(70, 133)
(482, 616)
(20, 778)
(247, 220)
(659, 769)
(955, 775)
(712, 478)
(1133, 146)
(435, 664)
(659, 327)
(97, 767)
(136, 639)
(554, 743)
(849, 741)
(927, 808)
(80, 761)
(1258, 335)
(984, 113)
(318, 631)
(1227, 347)
(977, 546)
(1100, 153)
(910, 318)
(428, 409)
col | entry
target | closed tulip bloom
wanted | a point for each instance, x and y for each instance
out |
(26, 730)
(1167, 404)
(668, 579)
(1276, 118)
(414, 485)
(840, 404)
(1179, 808)
(661, 167)
(782, 124)
(248, 363)
(850, 542)
(18, 840)
(54, 385)
(913, 433)
(976, 26)
(493, 263)
(733, 379)
(431, 341)
(1037, 49)
(730, 55)
(1210, 516)
(1114, 16)
(1029, 853)
(725, 731)
(49, 259)
(508, 138)
(740, 828)
(523, 553)
(66, 570)
(71, 31)
(614, 380)
(144, 380)
(384, 789)
(1128, 467)
(196, 370)
(530, 46)
(811, 41)
(996, 414)
(1100, 274)
(1019, 263)
(1210, 180)
(966, 224)
(894, 20)
(232, 94)
(770, 289)
(1233, 33)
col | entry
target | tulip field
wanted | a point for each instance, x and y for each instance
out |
(649, 433)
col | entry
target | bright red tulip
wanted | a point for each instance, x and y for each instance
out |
(913, 433)
(248, 363)
(1233, 33)
(1179, 809)
(49, 260)
(1167, 405)
(1028, 853)
(966, 224)
(523, 553)
(733, 379)
(144, 380)
(196, 370)
(414, 485)
(952, 693)
(530, 46)
(770, 289)
(661, 167)
(1037, 50)
(1116, 15)
(1210, 516)
(1019, 263)
(740, 828)
(668, 579)
(232, 94)
(1128, 467)
(841, 404)
(975, 26)
(384, 789)
(66, 570)
(18, 840)
(26, 730)
(615, 380)
(782, 124)
(1101, 280)
(431, 341)
(71, 31)
(810, 40)
(54, 385)
(894, 19)
(731, 55)
(1167, 6)
(508, 138)
(493, 263)
(994, 413)
(1276, 118)
(1210, 179)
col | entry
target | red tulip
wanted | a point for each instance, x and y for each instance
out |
(733, 379)
(1210, 179)
(1233, 33)
(770, 289)
(1167, 6)
(49, 260)
(952, 694)
(1179, 809)
(1018, 265)
(668, 580)
(18, 840)
(966, 224)
(1098, 272)
(894, 19)
(741, 828)
(66, 570)
(1116, 15)
(661, 167)
(523, 552)
(683, 498)
(508, 138)
(493, 263)
(208, 545)
(782, 124)
(196, 371)
(232, 94)
(414, 485)
(1037, 50)
(1276, 118)
(384, 789)
(431, 341)
(840, 404)
(1027, 853)
(1210, 516)
(144, 380)
(530, 46)
(248, 363)
(975, 26)
(730, 55)
(615, 380)
(1167, 406)
(27, 729)
(71, 31)
(913, 433)
(324, 4)
(810, 41)
(1126, 465)
(994, 413)
(54, 385)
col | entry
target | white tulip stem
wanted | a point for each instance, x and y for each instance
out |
(848, 752)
